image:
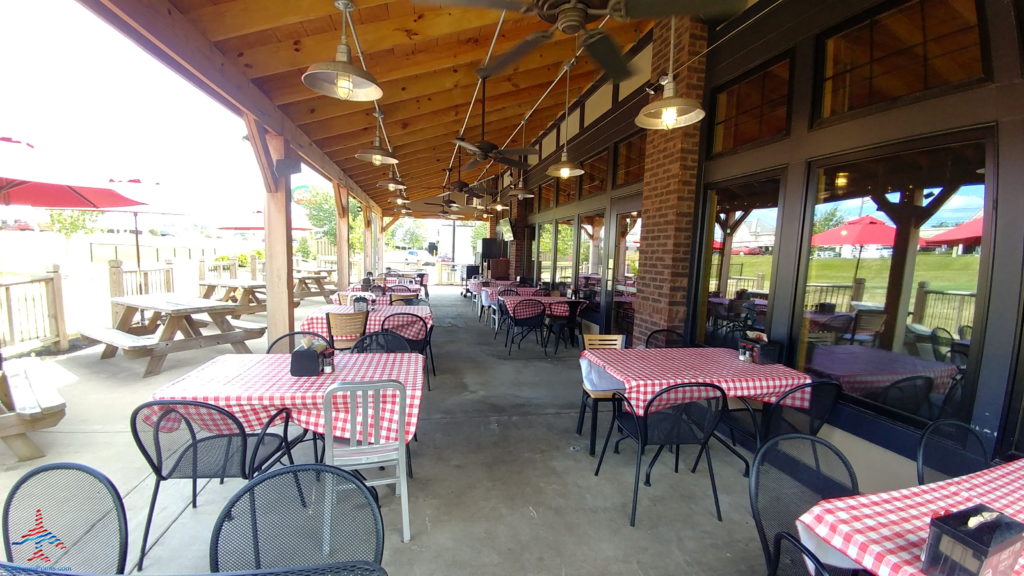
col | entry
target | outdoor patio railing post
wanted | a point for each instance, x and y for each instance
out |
(55, 304)
(116, 288)
(168, 275)
(233, 268)
(202, 269)
(859, 284)
(920, 302)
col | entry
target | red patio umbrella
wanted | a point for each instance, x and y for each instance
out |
(863, 231)
(968, 233)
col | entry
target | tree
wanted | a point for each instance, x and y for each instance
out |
(321, 212)
(827, 219)
(70, 222)
(479, 231)
(407, 233)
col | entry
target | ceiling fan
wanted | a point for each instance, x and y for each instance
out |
(448, 215)
(484, 150)
(446, 204)
(572, 16)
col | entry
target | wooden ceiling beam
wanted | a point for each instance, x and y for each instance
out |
(292, 54)
(540, 66)
(169, 37)
(239, 17)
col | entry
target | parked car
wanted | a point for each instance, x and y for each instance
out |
(18, 225)
(399, 258)
(747, 250)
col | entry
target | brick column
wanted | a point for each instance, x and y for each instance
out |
(517, 252)
(670, 190)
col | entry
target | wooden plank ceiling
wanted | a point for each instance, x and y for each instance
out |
(424, 56)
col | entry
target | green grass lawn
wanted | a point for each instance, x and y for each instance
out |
(941, 271)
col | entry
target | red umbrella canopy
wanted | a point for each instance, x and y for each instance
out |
(863, 231)
(40, 187)
(967, 233)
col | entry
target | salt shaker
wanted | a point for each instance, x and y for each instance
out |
(328, 364)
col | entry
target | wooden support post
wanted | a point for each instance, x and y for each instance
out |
(279, 271)
(859, 284)
(341, 197)
(920, 302)
(759, 281)
(55, 304)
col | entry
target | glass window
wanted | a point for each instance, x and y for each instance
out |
(568, 190)
(918, 46)
(738, 277)
(892, 279)
(546, 196)
(595, 175)
(624, 272)
(356, 232)
(545, 248)
(629, 160)
(564, 252)
(588, 284)
(754, 109)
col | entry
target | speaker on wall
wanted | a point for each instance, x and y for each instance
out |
(489, 248)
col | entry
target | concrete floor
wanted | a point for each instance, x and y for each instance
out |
(502, 483)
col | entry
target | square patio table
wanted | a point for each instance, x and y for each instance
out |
(886, 532)
(317, 320)
(254, 387)
(645, 372)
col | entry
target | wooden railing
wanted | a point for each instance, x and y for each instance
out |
(32, 312)
(218, 270)
(129, 282)
(947, 309)
(839, 294)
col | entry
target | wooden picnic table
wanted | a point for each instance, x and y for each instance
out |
(171, 326)
(250, 295)
(311, 285)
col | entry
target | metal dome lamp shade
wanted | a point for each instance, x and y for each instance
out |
(393, 183)
(670, 111)
(340, 78)
(376, 154)
(564, 168)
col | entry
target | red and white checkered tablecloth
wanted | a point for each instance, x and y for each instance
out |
(317, 320)
(554, 305)
(492, 292)
(863, 369)
(254, 386)
(476, 285)
(886, 532)
(645, 372)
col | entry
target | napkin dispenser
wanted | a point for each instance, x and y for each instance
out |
(760, 352)
(307, 358)
(973, 541)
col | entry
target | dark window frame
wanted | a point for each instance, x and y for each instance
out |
(616, 151)
(756, 70)
(817, 120)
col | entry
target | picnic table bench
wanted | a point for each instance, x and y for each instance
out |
(26, 406)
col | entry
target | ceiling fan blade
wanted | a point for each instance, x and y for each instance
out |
(510, 162)
(472, 193)
(467, 145)
(519, 151)
(716, 10)
(607, 54)
(505, 60)
(472, 164)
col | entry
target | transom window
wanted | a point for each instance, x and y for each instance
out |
(753, 109)
(918, 46)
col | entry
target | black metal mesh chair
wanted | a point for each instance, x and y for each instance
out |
(676, 415)
(541, 291)
(527, 316)
(191, 440)
(297, 516)
(400, 289)
(285, 343)
(335, 569)
(377, 290)
(68, 515)
(777, 418)
(949, 448)
(565, 328)
(908, 394)
(965, 332)
(942, 347)
(791, 473)
(416, 333)
(380, 341)
(665, 338)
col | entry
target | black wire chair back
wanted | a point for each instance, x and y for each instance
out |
(285, 343)
(526, 316)
(68, 515)
(508, 291)
(908, 394)
(781, 418)
(790, 474)
(665, 338)
(297, 516)
(377, 290)
(381, 341)
(400, 289)
(949, 448)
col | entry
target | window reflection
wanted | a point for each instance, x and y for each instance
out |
(564, 254)
(629, 160)
(626, 260)
(588, 284)
(545, 240)
(892, 278)
(546, 195)
(595, 175)
(738, 279)
(568, 190)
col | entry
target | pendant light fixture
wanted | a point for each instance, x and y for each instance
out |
(566, 169)
(520, 191)
(670, 111)
(393, 183)
(340, 78)
(375, 154)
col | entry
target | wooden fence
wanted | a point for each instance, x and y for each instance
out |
(842, 295)
(947, 309)
(32, 312)
(129, 282)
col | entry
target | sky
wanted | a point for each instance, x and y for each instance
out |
(96, 105)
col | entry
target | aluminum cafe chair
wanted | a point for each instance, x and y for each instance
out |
(368, 411)
(592, 399)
